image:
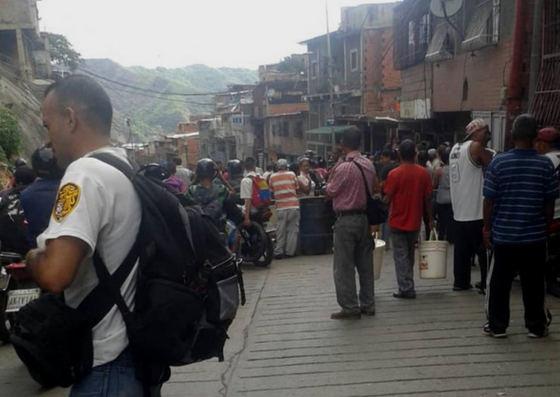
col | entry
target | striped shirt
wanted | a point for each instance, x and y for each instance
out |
(283, 185)
(520, 182)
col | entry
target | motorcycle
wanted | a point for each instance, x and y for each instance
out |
(255, 243)
(16, 290)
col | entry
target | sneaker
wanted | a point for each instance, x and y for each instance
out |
(279, 256)
(455, 288)
(368, 312)
(404, 295)
(342, 315)
(537, 335)
(486, 330)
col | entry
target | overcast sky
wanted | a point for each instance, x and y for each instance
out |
(176, 33)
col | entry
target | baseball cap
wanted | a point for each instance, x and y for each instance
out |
(548, 134)
(282, 164)
(474, 126)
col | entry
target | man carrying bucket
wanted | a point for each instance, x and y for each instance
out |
(409, 191)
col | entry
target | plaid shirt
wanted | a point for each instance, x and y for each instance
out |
(346, 185)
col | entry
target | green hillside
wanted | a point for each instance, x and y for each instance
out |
(152, 113)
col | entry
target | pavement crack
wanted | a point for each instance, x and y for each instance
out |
(228, 372)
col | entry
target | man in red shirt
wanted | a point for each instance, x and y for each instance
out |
(353, 245)
(409, 190)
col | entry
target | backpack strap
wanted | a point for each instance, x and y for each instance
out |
(100, 301)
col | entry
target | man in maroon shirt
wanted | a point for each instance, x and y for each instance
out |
(409, 190)
(353, 245)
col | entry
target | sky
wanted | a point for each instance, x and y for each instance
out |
(177, 33)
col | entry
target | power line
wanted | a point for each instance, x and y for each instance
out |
(149, 90)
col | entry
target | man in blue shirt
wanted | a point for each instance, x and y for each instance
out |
(519, 193)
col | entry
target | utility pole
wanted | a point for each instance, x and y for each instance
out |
(330, 78)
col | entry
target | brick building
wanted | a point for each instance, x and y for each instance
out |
(457, 68)
(356, 84)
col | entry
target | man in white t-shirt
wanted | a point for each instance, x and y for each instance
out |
(246, 188)
(548, 143)
(96, 209)
(467, 163)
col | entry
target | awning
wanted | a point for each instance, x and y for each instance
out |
(480, 31)
(441, 47)
(338, 129)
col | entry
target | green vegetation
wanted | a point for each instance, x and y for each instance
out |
(10, 137)
(63, 53)
(155, 114)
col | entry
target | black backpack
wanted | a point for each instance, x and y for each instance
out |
(186, 298)
(13, 225)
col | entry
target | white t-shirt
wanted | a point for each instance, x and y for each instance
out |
(97, 204)
(466, 184)
(246, 187)
(555, 157)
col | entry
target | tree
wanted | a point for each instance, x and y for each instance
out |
(10, 137)
(63, 53)
(291, 65)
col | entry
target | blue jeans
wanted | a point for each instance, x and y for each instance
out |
(115, 379)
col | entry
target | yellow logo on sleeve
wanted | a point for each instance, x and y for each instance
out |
(67, 199)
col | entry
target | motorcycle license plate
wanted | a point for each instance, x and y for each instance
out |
(21, 297)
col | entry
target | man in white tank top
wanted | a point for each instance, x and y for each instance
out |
(467, 162)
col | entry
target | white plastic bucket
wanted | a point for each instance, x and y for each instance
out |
(378, 256)
(433, 258)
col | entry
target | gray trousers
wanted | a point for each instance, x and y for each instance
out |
(403, 254)
(287, 231)
(353, 250)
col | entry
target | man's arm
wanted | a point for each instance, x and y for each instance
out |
(248, 206)
(549, 213)
(481, 155)
(55, 267)
(487, 211)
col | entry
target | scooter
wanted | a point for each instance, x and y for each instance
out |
(255, 243)
(16, 290)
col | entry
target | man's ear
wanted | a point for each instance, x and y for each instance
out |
(72, 120)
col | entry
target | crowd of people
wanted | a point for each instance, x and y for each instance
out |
(474, 198)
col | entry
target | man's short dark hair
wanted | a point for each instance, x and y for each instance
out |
(250, 163)
(177, 161)
(352, 138)
(525, 128)
(171, 167)
(407, 149)
(423, 157)
(87, 98)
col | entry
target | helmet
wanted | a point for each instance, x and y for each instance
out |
(44, 164)
(20, 162)
(156, 171)
(206, 168)
(234, 167)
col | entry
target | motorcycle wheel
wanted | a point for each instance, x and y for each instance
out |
(253, 242)
(268, 255)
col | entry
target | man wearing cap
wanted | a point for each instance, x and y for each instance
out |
(548, 143)
(467, 163)
(283, 184)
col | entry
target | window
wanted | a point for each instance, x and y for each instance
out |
(442, 45)
(413, 34)
(354, 60)
(298, 132)
(483, 28)
(285, 129)
(314, 69)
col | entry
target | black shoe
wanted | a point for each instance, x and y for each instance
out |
(278, 257)
(538, 335)
(455, 288)
(404, 295)
(480, 287)
(486, 330)
(370, 312)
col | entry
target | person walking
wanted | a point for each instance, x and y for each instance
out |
(96, 210)
(408, 190)
(284, 185)
(519, 193)
(468, 161)
(353, 245)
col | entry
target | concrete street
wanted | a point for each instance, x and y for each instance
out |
(283, 343)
